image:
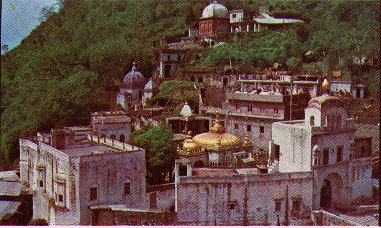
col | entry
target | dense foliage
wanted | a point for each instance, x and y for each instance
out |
(65, 67)
(160, 153)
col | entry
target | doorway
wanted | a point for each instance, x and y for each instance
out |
(326, 194)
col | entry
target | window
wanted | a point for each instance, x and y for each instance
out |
(41, 184)
(326, 121)
(261, 129)
(296, 205)
(182, 170)
(200, 79)
(192, 79)
(312, 120)
(237, 107)
(231, 206)
(126, 188)
(278, 205)
(112, 136)
(339, 155)
(248, 127)
(261, 110)
(250, 108)
(325, 156)
(122, 138)
(276, 110)
(234, 15)
(277, 151)
(93, 193)
(236, 126)
(60, 198)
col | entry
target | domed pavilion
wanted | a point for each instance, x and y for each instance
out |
(131, 91)
(215, 19)
(216, 147)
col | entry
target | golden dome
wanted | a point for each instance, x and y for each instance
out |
(326, 85)
(216, 138)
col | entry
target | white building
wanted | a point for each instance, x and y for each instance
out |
(68, 179)
(324, 144)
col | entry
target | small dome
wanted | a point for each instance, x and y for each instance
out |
(326, 85)
(215, 10)
(186, 111)
(134, 79)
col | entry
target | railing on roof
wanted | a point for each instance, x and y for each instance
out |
(113, 143)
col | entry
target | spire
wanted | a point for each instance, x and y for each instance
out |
(134, 66)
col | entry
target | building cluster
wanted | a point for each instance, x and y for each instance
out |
(258, 149)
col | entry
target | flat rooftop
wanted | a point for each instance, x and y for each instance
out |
(89, 150)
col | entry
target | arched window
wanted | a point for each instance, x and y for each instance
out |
(200, 79)
(192, 79)
(122, 138)
(312, 120)
(112, 136)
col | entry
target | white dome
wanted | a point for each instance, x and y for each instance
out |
(186, 111)
(215, 10)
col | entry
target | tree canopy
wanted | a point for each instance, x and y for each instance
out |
(160, 153)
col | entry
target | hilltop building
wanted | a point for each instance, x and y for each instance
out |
(214, 20)
(131, 91)
(240, 22)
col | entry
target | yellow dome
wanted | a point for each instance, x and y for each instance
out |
(326, 85)
(216, 138)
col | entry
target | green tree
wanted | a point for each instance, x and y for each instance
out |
(160, 152)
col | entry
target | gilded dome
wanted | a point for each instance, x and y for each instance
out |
(134, 79)
(216, 138)
(215, 10)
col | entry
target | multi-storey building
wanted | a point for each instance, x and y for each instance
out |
(69, 178)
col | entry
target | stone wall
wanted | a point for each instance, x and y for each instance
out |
(109, 173)
(110, 216)
(242, 200)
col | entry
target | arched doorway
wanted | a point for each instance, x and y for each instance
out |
(331, 191)
(326, 194)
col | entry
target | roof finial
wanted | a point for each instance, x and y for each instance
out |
(326, 86)
(134, 66)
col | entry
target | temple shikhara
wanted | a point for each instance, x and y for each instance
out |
(257, 148)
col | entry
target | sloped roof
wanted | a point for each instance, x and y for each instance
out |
(267, 19)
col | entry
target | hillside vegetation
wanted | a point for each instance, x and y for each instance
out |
(64, 68)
